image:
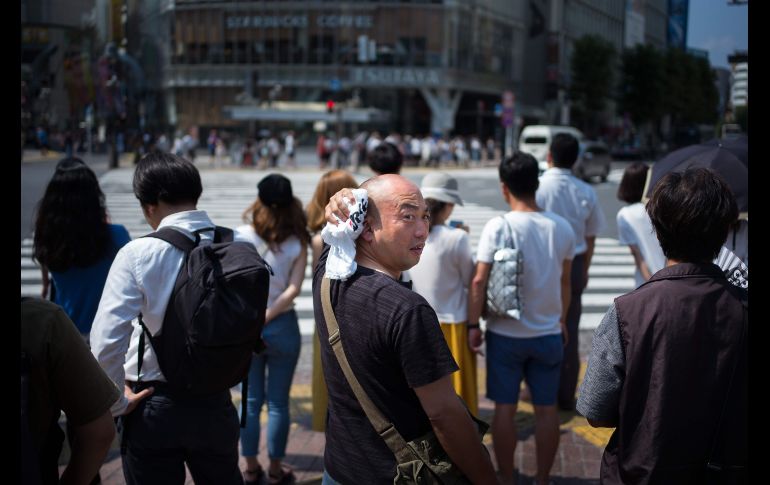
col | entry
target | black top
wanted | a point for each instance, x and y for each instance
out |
(393, 342)
(686, 369)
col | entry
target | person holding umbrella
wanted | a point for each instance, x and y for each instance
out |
(729, 159)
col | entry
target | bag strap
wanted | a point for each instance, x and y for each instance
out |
(384, 428)
(508, 233)
(185, 244)
(710, 463)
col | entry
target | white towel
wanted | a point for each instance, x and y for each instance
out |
(341, 260)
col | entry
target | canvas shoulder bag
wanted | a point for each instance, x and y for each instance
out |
(504, 284)
(422, 460)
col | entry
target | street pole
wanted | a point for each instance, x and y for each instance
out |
(509, 140)
(338, 116)
(509, 121)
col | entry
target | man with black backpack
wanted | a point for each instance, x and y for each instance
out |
(180, 316)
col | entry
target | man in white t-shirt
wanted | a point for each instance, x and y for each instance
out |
(532, 346)
(564, 194)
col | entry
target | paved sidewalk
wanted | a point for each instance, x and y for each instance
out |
(576, 463)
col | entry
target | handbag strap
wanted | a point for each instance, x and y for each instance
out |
(508, 233)
(384, 428)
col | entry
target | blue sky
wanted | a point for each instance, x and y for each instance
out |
(719, 28)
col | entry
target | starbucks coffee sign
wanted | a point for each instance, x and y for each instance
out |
(298, 21)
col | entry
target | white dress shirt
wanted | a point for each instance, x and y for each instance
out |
(564, 194)
(140, 280)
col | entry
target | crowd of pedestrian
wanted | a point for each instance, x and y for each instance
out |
(398, 321)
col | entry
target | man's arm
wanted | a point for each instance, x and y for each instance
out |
(566, 296)
(599, 396)
(476, 298)
(590, 243)
(455, 430)
(89, 447)
(602, 424)
(121, 302)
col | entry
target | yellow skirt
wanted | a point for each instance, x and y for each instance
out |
(320, 394)
(464, 380)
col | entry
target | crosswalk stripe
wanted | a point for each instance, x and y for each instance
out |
(227, 194)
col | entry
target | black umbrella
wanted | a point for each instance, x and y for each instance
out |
(737, 144)
(728, 158)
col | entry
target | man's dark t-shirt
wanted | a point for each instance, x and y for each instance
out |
(393, 342)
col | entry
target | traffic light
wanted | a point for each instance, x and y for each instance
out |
(330, 106)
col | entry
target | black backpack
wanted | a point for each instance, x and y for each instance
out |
(214, 319)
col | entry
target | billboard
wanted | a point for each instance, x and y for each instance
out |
(677, 23)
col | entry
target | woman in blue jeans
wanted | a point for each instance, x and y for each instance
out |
(277, 228)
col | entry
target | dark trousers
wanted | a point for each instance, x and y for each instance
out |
(570, 366)
(165, 431)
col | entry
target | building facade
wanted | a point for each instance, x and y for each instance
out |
(57, 49)
(739, 90)
(435, 66)
(432, 66)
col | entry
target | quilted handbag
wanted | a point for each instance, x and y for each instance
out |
(504, 284)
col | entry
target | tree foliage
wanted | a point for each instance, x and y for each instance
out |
(642, 84)
(691, 96)
(592, 78)
(655, 83)
(742, 117)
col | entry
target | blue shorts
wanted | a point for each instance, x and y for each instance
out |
(537, 360)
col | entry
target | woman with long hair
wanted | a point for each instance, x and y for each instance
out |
(443, 276)
(278, 229)
(634, 225)
(75, 244)
(74, 241)
(330, 183)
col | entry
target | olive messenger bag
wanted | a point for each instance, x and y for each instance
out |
(422, 460)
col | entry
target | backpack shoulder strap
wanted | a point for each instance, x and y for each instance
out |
(183, 243)
(223, 234)
(384, 428)
(177, 239)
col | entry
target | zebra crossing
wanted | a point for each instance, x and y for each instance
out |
(227, 194)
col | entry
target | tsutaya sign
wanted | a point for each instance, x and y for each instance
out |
(298, 21)
(397, 76)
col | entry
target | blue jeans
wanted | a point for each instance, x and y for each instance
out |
(270, 376)
(328, 480)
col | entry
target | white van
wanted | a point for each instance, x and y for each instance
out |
(536, 140)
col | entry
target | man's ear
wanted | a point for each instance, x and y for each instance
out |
(148, 209)
(367, 233)
(506, 193)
